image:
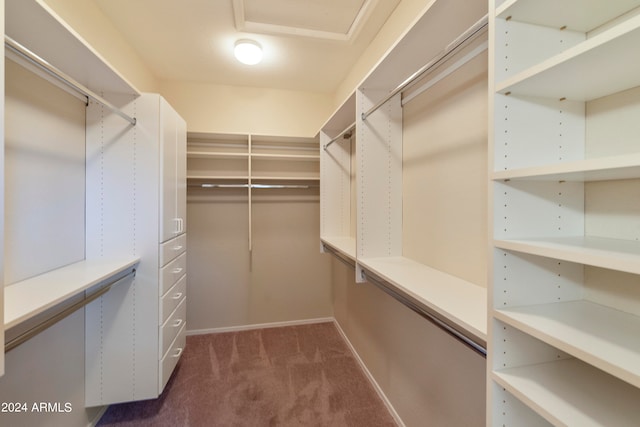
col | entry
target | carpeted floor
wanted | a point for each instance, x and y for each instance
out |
(289, 376)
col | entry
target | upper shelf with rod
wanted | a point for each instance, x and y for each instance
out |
(33, 25)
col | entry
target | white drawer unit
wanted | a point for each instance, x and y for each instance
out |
(170, 273)
(169, 330)
(172, 298)
(171, 357)
(171, 249)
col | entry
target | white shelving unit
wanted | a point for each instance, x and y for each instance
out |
(564, 163)
(363, 205)
(33, 304)
(31, 297)
(337, 183)
(246, 163)
(239, 158)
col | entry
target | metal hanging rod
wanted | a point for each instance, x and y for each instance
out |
(346, 134)
(467, 36)
(419, 308)
(52, 71)
(412, 304)
(40, 327)
(258, 186)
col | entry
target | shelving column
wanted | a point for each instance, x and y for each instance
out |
(564, 299)
(379, 177)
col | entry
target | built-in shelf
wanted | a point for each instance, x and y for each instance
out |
(614, 254)
(578, 15)
(596, 334)
(344, 245)
(603, 63)
(456, 300)
(596, 169)
(216, 155)
(572, 393)
(218, 177)
(284, 178)
(28, 298)
(77, 59)
(301, 157)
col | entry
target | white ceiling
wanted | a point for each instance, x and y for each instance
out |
(309, 45)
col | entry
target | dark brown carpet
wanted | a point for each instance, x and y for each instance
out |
(288, 376)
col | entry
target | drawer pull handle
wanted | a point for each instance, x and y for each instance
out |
(177, 296)
(177, 248)
(177, 323)
(177, 270)
(178, 352)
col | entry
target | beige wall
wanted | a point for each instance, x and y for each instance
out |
(88, 21)
(284, 278)
(224, 109)
(233, 109)
(429, 377)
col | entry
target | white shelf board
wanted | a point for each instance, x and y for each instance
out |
(598, 335)
(216, 155)
(218, 177)
(345, 245)
(614, 254)
(601, 169)
(599, 66)
(28, 298)
(34, 25)
(460, 302)
(571, 393)
(578, 15)
(285, 178)
(301, 157)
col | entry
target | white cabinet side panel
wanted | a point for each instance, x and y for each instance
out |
(379, 172)
(335, 187)
(122, 218)
(168, 172)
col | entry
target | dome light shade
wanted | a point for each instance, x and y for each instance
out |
(248, 52)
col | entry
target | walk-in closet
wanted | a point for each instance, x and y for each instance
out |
(298, 213)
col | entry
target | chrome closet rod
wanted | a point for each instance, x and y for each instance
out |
(258, 186)
(468, 35)
(43, 65)
(414, 305)
(40, 327)
(340, 135)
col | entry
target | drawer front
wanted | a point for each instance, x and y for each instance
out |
(172, 326)
(172, 298)
(169, 361)
(170, 273)
(171, 249)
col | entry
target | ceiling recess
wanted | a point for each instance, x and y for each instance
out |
(326, 19)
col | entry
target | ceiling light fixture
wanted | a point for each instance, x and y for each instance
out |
(248, 52)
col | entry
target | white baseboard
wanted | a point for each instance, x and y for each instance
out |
(373, 381)
(259, 326)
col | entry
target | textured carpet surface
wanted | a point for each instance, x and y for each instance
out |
(288, 376)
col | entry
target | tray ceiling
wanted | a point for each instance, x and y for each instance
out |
(309, 45)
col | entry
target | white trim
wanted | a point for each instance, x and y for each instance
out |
(371, 378)
(260, 326)
(98, 416)
(262, 27)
